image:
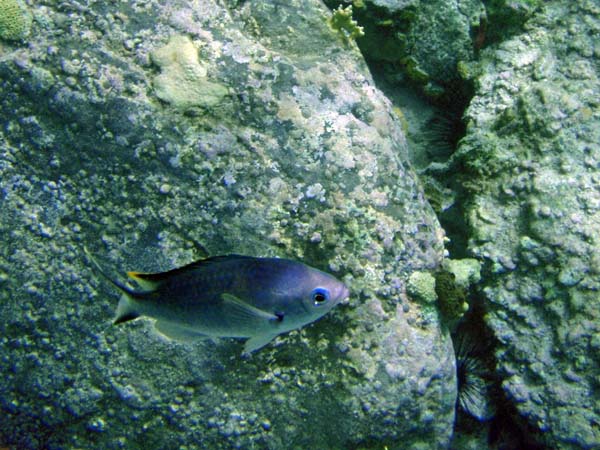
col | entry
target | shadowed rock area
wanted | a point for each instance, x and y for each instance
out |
(530, 167)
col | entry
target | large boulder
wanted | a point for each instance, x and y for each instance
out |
(150, 131)
(531, 167)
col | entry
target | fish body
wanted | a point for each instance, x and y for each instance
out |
(231, 296)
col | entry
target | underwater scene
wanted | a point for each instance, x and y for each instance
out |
(300, 224)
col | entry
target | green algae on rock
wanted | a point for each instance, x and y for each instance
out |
(466, 271)
(421, 286)
(452, 298)
(447, 287)
(427, 38)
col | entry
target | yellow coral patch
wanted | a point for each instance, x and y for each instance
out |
(183, 79)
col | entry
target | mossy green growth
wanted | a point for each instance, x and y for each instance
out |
(466, 271)
(468, 70)
(421, 287)
(439, 197)
(452, 298)
(403, 121)
(341, 20)
(15, 20)
(507, 17)
(413, 70)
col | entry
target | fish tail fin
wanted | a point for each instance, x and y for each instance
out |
(99, 268)
(126, 310)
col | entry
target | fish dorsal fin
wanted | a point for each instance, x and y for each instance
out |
(151, 281)
(145, 280)
(243, 313)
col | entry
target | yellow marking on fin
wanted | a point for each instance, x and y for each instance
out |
(142, 281)
(135, 275)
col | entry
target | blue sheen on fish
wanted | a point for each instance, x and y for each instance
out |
(231, 296)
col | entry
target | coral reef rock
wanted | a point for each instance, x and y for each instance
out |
(295, 153)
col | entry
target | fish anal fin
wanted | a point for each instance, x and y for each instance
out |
(178, 333)
(257, 342)
(126, 318)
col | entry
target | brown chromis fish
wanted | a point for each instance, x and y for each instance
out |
(230, 296)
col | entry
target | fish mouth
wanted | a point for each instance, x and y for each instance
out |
(344, 293)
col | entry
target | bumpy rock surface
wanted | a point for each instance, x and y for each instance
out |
(294, 153)
(533, 173)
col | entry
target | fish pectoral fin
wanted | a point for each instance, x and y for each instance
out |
(177, 333)
(256, 342)
(244, 312)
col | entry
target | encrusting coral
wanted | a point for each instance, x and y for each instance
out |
(183, 79)
(15, 21)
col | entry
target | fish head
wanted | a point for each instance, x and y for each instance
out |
(320, 293)
(296, 293)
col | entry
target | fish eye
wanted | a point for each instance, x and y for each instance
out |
(320, 296)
